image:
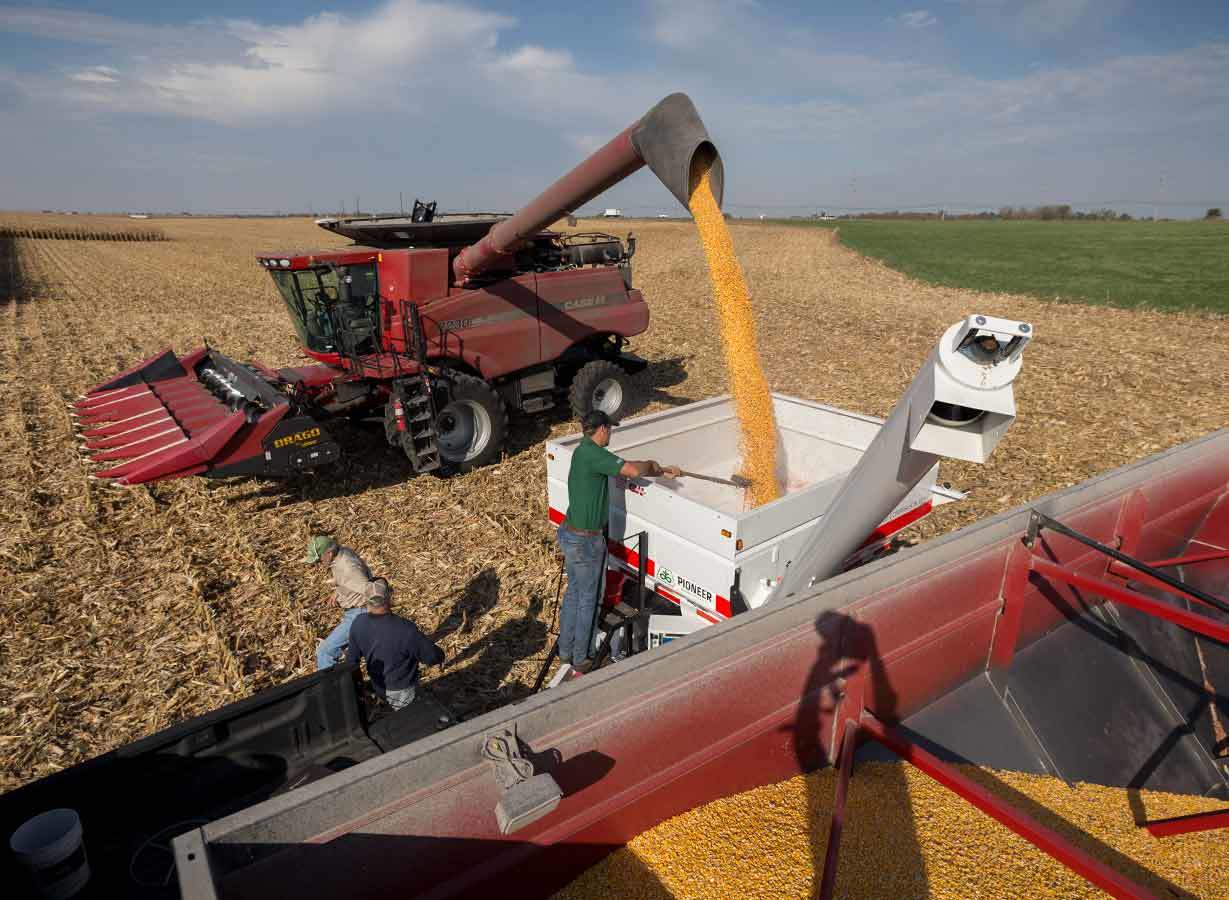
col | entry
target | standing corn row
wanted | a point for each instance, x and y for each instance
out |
(742, 359)
(64, 233)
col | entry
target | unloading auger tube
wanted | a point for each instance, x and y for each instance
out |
(958, 406)
(666, 139)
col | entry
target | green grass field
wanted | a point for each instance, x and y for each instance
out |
(1165, 265)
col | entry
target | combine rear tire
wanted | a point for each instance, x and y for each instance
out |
(472, 427)
(602, 385)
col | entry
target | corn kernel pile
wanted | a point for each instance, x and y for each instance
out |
(906, 836)
(742, 359)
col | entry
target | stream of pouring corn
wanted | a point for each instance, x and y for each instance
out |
(752, 399)
(906, 836)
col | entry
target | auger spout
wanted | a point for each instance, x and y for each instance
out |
(666, 139)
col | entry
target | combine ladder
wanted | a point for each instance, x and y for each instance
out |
(414, 407)
(418, 439)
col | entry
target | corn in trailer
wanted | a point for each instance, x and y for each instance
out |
(1057, 638)
(851, 481)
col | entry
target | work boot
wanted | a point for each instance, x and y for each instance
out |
(584, 667)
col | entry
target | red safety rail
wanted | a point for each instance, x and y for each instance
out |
(1045, 839)
(1023, 561)
(1190, 559)
(1023, 564)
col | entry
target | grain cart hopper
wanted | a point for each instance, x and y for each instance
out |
(851, 482)
(439, 324)
(1033, 641)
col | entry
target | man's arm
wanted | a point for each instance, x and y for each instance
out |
(610, 464)
(650, 468)
(428, 653)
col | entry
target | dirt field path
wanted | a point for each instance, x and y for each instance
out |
(125, 611)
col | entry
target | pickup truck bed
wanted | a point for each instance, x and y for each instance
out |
(135, 798)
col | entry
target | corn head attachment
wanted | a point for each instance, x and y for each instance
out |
(200, 414)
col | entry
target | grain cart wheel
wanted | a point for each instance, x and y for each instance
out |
(602, 385)
(472, 426)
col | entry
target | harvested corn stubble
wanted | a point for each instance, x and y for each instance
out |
(742, 358)
(907, 836)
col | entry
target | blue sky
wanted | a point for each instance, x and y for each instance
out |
(963, 104)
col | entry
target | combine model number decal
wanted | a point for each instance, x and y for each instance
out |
(298, 437)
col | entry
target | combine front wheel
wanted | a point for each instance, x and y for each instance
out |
(472, 426)
(602, 385)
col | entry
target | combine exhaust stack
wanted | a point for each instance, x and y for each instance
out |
(202, 414)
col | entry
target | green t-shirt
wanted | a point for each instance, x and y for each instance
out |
(588, 487)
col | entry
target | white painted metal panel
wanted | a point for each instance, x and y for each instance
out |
(694, 527)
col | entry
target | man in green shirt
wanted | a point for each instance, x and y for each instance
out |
(581, 535)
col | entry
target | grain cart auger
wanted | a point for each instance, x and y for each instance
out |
(438, 324)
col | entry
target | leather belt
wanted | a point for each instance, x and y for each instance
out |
(585, 532)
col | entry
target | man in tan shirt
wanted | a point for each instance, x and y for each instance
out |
(350, 579)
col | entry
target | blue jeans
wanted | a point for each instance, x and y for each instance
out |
(330, 650)
(584, 556)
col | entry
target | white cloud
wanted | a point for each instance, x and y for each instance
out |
(534, 60)
(235, 71)
(918, 18)
(328, 61)
(96, 75)
(694, 25)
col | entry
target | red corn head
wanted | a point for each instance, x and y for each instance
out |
(202, 414)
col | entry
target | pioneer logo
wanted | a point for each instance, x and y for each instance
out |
(692, 588)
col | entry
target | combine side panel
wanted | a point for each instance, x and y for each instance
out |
(201, 414)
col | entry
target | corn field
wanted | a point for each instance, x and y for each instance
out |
(126, 611)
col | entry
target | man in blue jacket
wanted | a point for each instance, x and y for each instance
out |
(393, 647)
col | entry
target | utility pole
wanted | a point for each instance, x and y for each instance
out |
(401, 199)
(356, 206)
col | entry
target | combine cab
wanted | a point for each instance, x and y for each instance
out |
(441, 325)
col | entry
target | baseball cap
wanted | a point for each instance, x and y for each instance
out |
(378, 592)
(595, 419)
(318, 546)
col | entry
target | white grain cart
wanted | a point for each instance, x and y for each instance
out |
(850, 481)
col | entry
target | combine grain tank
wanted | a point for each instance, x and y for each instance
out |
(1001, 644)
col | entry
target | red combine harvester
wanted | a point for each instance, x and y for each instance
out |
(440, 323)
